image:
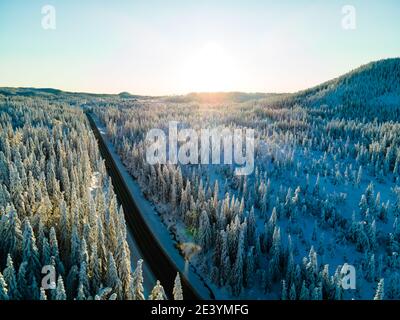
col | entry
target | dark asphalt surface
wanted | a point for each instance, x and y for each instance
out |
(159, 262)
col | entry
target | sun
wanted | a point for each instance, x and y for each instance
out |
(209, 69)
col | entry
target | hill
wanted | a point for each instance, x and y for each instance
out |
(376, 83)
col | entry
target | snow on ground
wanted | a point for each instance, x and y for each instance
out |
(173, 233)
(157, 227)
(94, 183)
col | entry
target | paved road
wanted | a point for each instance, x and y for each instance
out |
(160, 264)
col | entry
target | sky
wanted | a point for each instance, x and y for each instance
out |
(174, 47)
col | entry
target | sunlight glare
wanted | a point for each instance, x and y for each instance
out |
(210, 69)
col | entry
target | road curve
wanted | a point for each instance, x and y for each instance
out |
(160, 263)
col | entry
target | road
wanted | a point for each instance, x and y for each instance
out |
(158, 260)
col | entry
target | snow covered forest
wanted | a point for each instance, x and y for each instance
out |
(58, 209)
(325, 193)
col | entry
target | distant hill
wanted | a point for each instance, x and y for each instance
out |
(56, 94)
(372, 84)
(30, 92)
(218, 97)
(47, 93)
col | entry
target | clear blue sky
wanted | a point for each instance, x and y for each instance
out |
(166, 47)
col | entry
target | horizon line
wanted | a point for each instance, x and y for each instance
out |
(195, 92)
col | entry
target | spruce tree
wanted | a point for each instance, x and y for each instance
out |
(177, 291)
(124, 266)
(3, 289)
(137, 282)
(380, 291)
(22, 281)
(43, 295)
(81, 293)
(112, 279)
(60, 291)
(10, 278)
(204, 231)
(158, 292)
(292, 293)
(304, 293)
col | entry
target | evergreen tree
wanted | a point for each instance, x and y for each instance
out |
(72, 281)
(75, 246)
(225, 264)
(177, 291)
(113, 281)
(251, 227)
(137, 282)
(380, 291)
(11, 234)
(83, 278)
(22, 281)
(3, 289)
(292, 293)
(54, 251)
(43, 295)
(95, 269)
(81, 293)
(11, 280)
(284, 291)
(204, 231)
(158, 292)
(46, 252)
(371, 268)
(304, 293)
(60, 291)
(275, 253)
(359, 176)
(237, 270)
(124, 266)
(30, 251)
